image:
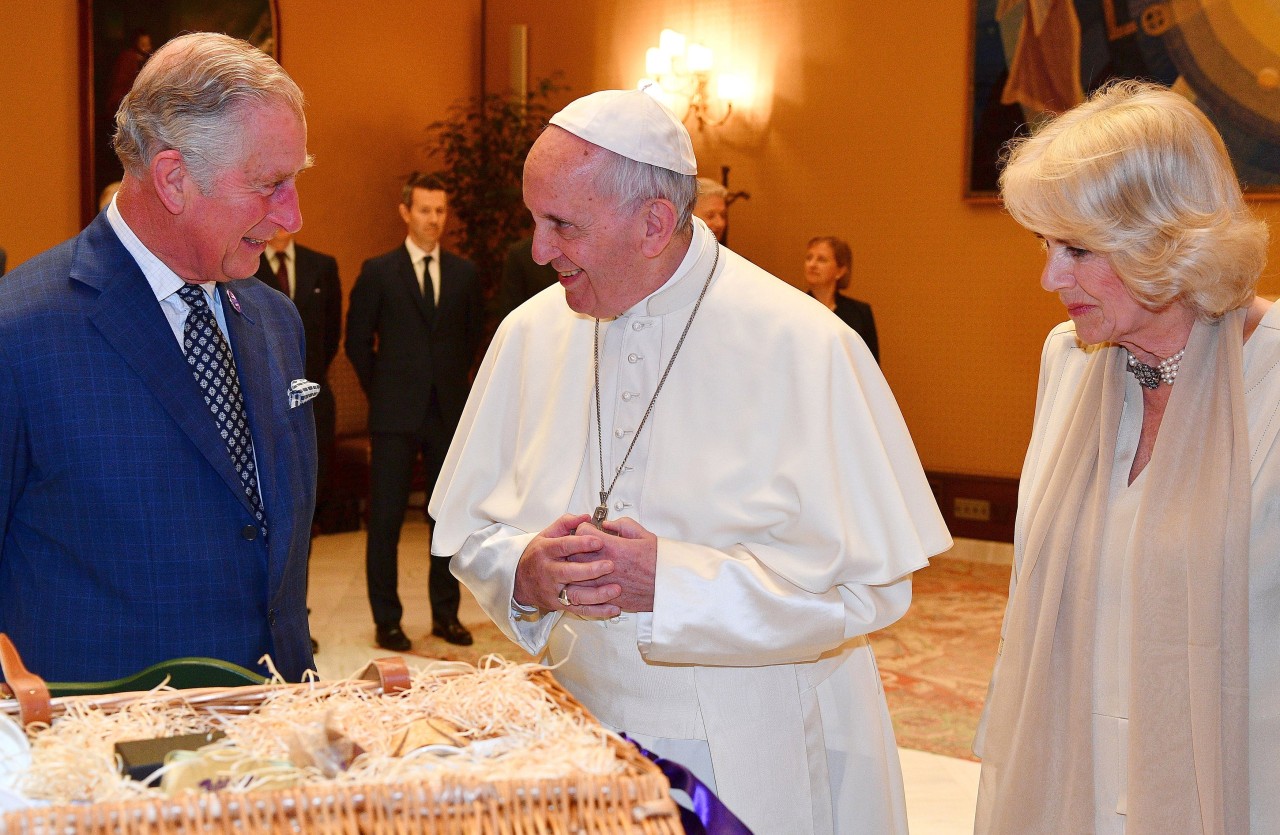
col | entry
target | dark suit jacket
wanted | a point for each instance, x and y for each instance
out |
(857, 315)
(403, 348)
(122, 522)
(522, 277)
(318, 296)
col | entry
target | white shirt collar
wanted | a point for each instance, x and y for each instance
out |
(676, 293)
(417, 253)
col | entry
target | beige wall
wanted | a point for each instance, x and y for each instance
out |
(857, 131)
(373, 83)
(40, 151)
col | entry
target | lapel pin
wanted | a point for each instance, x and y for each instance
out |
(231, 297)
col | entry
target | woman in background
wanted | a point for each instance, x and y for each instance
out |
(1138, 683)
(828, 267)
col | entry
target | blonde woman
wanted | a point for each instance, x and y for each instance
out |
(1138, 684)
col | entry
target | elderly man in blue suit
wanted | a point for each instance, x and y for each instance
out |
(157, 443)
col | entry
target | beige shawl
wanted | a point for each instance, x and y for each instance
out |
(1188, 700)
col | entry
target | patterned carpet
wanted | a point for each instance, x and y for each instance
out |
(489, 640)
(936, 661)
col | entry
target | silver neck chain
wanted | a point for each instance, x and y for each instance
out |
(602, 509)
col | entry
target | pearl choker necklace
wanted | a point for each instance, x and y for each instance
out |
(1150, 376)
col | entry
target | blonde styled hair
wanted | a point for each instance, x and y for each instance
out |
(1138, 174)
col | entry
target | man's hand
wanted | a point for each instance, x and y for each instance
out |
(565, 557)
(633, 552)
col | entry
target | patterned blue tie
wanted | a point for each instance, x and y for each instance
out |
(214, 368)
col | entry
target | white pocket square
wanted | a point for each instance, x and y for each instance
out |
(300, 391)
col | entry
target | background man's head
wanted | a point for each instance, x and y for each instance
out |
(424, 208)
(712, 206)
(108, 191)
(281, 239)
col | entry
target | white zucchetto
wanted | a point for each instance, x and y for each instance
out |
(631, 123)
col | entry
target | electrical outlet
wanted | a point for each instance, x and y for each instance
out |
(975, 510)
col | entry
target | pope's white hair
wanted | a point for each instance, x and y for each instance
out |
(631, 181)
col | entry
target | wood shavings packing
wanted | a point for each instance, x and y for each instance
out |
(513, 728)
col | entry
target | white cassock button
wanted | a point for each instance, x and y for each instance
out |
(634, 358)
(628, 396)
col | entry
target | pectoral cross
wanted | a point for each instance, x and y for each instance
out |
(602, 512)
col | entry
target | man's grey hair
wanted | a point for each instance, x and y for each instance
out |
(188, 97)
(631, 181)
(708, 187)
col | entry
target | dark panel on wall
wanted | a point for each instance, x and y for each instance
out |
(976, 507)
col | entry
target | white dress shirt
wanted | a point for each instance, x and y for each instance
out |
(164, 282)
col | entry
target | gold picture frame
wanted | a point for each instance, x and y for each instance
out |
(1030, 58)
(116, 37)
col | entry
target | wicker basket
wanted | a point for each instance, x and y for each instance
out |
(636, 800)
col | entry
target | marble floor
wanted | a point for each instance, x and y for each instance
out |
(941, 791)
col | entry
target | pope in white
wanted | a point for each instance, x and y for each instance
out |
(760, 505)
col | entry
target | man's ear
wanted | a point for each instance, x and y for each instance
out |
(659, 226)
(171, 182)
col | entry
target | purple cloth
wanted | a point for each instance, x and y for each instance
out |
(709, 815)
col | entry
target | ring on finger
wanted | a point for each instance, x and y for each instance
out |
(564, 596)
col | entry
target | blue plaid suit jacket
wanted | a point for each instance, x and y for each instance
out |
(122, 522)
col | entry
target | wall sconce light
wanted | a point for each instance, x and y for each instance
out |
(679, 69)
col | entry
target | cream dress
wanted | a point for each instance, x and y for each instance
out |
(790, 508)
(1063, 363)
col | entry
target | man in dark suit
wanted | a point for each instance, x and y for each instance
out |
(522, 277)
(157, 446)
(413, 328)
(310, 278)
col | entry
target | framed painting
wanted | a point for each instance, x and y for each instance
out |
(1030, 58)
(117, 37)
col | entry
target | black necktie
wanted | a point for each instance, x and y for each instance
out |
(214, 368)
(428, 289)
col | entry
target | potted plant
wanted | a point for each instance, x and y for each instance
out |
(481, 147)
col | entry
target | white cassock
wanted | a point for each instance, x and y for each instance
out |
(790, 509)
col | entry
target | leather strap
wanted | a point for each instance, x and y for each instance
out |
(25, 686)
(391, 672)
